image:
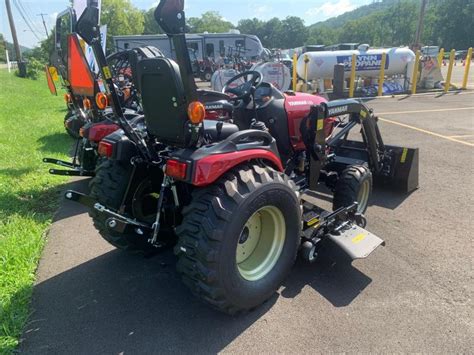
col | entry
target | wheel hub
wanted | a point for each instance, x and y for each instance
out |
(260, 243)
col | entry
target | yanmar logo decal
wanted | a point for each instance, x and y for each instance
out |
(214, 107)
(337, 110)
(300, 103)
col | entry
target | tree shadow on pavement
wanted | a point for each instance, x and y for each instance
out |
(118, 303)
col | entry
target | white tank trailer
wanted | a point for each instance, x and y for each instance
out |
(321, 64)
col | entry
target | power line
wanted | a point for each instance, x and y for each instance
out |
(27, 13)
(44, 23)
(26, 21)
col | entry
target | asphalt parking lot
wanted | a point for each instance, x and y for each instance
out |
(413, 295)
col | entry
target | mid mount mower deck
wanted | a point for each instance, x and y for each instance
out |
(237, 195)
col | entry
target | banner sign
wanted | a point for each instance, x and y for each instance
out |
(363, 62)
(90, 53)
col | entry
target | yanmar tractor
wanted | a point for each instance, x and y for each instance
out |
(89, 117)
(235, 195)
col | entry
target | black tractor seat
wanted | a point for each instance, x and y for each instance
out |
(215, 131)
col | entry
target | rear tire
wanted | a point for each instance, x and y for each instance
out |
(354, 184)
(217, 232)
(71, 133)
(108, 187)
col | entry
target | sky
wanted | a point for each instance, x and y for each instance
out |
(311, 11)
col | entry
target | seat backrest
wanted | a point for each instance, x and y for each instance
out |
(163, 99)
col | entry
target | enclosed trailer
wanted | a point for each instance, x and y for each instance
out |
(205, 45)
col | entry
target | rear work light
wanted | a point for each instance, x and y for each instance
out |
(176, 169)
(105, 149)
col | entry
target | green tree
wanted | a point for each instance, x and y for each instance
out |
(122, 18)
(210, 21)
(3, 57)
(322, 35)
(453, 23)
(293, 32)
(42, 53)
(151, 27)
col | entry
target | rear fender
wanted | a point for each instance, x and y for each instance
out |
(207, 164)
(209, 169)
(99, 131)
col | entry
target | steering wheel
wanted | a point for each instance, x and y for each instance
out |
(243, 90)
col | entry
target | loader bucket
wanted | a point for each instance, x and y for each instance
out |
(403, 175)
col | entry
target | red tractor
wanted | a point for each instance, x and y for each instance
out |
(235, 195)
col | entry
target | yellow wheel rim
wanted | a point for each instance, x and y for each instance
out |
(363, 196)
(260, 243)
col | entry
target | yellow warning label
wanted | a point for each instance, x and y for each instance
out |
(358, 238)
(363, 114)
(313, 221)
(320, 125)
(54, 73)
(404, 155)
(106, 71)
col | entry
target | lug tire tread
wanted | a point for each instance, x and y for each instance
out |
(201, 234)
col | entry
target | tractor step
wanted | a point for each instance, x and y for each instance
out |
(357, 242)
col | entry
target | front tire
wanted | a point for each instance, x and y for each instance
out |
(354, 185)
(239, 238)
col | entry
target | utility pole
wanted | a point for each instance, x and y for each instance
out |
(21, 64)
(419, 29)
(44, 23)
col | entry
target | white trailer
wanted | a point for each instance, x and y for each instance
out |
(205, 45)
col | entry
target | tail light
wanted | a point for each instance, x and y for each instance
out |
(99, 131)
(82, 132)
(67, 98)
(176, 169)
(105, 149)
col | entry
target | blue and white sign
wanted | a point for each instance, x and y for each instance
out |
(90, 57)
(363, 62)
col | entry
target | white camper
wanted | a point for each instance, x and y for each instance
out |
(205, 45)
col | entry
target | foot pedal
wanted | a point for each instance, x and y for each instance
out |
(357, 242)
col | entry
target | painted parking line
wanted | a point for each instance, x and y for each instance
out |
(427, 132)
(434, 93)
(426, 111)
(462, 136)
